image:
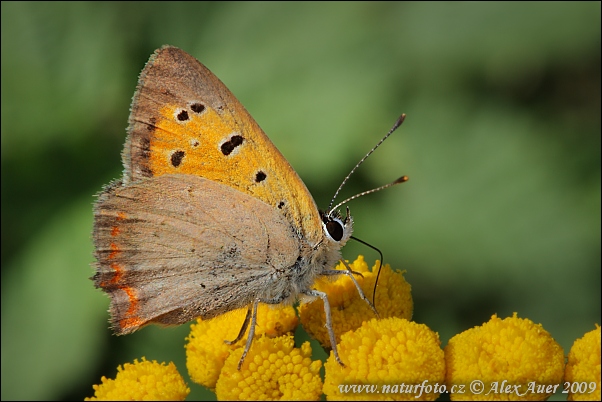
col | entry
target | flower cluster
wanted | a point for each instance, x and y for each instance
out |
(273, 370)
(387, 358)
(385, 353)
(514, 350)
(206, 350)
(583, 367)
(142, 381)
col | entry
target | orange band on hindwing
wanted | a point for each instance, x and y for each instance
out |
(115, 251)
(131, 320)
(128, 319)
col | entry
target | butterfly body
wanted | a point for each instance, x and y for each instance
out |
(208, 216)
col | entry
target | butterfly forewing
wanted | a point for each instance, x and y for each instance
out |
(185, 120)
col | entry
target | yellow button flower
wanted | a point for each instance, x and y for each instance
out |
(513, 359)
(391, 359)
(206, 350)
(349, 311)
(142, 381)
(273, 370)
(582, 374)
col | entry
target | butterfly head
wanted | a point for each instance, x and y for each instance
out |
(336, 227)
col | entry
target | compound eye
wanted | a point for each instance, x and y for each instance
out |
(335, 230)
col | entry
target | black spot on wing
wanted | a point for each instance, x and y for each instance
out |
(260, 176)
(229, 146)
(176, 158)
(198, 108)
(183, 115)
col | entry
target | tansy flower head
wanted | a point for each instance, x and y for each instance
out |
(206, 350)
(142, 381)
(349, 311)
(513, 350)
(583, 368)
(393, 355)
(273, 370)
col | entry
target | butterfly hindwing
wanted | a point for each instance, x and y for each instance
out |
(168, 262)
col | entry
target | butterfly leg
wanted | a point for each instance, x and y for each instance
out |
(251, 332)
(349, 272)
(243, 329)
(334, 272)
(253, 312)
(333, 340)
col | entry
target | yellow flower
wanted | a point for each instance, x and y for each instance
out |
(349, 311)
(582, 372)
(143, 381)
(273, 370)
(399, 359)
(503, 354)
(206, 350)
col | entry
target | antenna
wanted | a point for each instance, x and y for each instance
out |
(374, 190)
(395, 126)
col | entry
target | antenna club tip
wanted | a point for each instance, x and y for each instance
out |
(402, 179)
(398, 123)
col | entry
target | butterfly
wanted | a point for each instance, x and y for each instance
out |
(209, 216)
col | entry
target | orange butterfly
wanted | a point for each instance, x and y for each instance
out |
(208, 216)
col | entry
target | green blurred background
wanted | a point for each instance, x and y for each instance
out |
(501, 143)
